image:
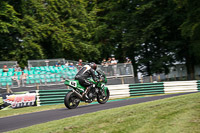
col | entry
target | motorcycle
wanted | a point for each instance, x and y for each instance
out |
(99, 91)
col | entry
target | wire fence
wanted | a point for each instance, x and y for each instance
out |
(9, 64)
(77, 64)
(45, 62)
(52, 75)
(118, 70)
(45, 73)
(34, 80)
(163, 77)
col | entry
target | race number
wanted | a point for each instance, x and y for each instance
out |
(102, 86)
(73, 83)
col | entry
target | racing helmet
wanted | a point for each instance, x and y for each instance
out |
(93, 65)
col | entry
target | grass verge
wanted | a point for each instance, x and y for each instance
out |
(176, 114)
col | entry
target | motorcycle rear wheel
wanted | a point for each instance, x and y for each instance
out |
(103, 100)
(71, 100)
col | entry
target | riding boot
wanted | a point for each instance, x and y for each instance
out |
(86, 92)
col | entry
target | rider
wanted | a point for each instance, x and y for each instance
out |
(82, 76)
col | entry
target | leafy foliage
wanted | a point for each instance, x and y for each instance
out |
(153, 33)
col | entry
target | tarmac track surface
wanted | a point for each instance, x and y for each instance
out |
(25, 120)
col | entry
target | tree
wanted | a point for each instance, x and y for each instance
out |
(190, 29)
(53, 29)
(152, 34)
(9, 29)
(107, 32)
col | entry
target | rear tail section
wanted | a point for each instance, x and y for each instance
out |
(71, 83)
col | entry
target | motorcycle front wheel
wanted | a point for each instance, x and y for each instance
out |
(71, 100)
(103, 99)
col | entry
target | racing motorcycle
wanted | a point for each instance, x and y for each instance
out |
(99, 91)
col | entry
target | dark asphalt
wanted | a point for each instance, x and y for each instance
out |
(25, 120)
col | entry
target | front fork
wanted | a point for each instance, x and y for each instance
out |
(102, 93)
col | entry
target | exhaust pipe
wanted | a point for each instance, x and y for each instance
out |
(77, 94)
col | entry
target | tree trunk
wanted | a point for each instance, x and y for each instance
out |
(148, 69)
(190, 67)
(135, 66)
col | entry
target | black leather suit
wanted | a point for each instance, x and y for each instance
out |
(82, 76)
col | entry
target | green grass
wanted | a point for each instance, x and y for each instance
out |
(176, 114)
(18, 111)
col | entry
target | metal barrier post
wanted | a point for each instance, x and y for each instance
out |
(122, 80)
(151, 79)
(37, 86)
(141, 80)
(159, 78)
(175, 77)
(8, 89)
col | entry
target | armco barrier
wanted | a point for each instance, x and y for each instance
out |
(118, 91)
(180, 86)
(146, 89)
(198, 85)
(49, 97)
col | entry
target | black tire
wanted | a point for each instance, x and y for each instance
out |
(71, 100)
(104, 99)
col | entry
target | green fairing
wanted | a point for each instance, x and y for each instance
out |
(99, 91)
(75, 84)
(105, 80)
(105, 90)
(78, 86)
(101, 85)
